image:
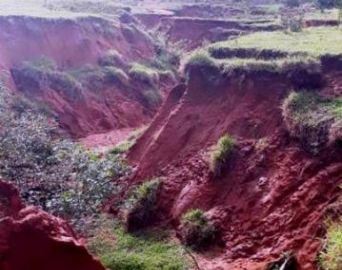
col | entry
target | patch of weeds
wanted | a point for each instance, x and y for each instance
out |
(148, 250)
(115, 75)
(66, 84)
(144, 74)
(221, 154)
(124, 146)
(312, 119)
(152, 98)
(196, 230)
(331, 256)
(141, 204)
(111, 58)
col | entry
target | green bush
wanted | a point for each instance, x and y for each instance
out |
(221, 154)
(201, 61)
(141, 205)
(331, 256)
(119, 250)
(196, 230)
(115, 75)
(111, 58)
(312, 119)
(144, 74)
(152, 98)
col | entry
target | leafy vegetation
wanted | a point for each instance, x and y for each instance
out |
(111, 58)
(144, 74)
(53, 173)
(124, 146)
(221, 154)
(116, 75)
(331, 255)
(119, 250)
(141, 205)
(313, 119)
(196, 230)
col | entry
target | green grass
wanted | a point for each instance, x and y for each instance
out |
(149, 250)
(144, 74)
(111, 58)
(221, 154)
(313, 119)
(141, 205)
(124, 146)
(331, 256)
(196, 230)
(316, 41)
(115, 75)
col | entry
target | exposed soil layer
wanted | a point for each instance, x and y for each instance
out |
(31, 239)
(194, 31)
(272, 196)
(73, 43)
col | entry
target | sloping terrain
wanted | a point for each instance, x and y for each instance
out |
(273, 193)
(77, 66)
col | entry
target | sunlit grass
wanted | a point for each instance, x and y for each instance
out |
(315, 41)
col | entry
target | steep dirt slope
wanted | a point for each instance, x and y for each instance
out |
(273, 195)
(34, 240)
(70, 41)
(74, 43)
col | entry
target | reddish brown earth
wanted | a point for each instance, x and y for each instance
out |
(273, 195)
(194, 31)
(31, 239)
(73, 43)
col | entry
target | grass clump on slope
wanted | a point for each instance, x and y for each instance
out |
(196, 230)
(221, 154)
(331, 256)
(141, 205)
(314, 120)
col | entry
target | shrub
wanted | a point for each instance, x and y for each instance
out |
(311, 119)
(331, 255)
(65, 84)
(53, 173)
(116, 75)
(144, 74)
(221, 154)
(153, 250)
(196, 230)
(111, 58)
(141, 205)
(152, 98)
(201, 61)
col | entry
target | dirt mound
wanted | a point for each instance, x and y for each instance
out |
(272, 196)
(33, 239)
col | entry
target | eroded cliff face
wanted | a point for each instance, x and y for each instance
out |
(87, 94)
(33, 239)
(273, 195)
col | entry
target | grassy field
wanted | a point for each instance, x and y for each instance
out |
(315, 41)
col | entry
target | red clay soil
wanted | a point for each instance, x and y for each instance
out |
(31, 239)
(272, 197)
(103, 141)
(195, 31)
(72, 43)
